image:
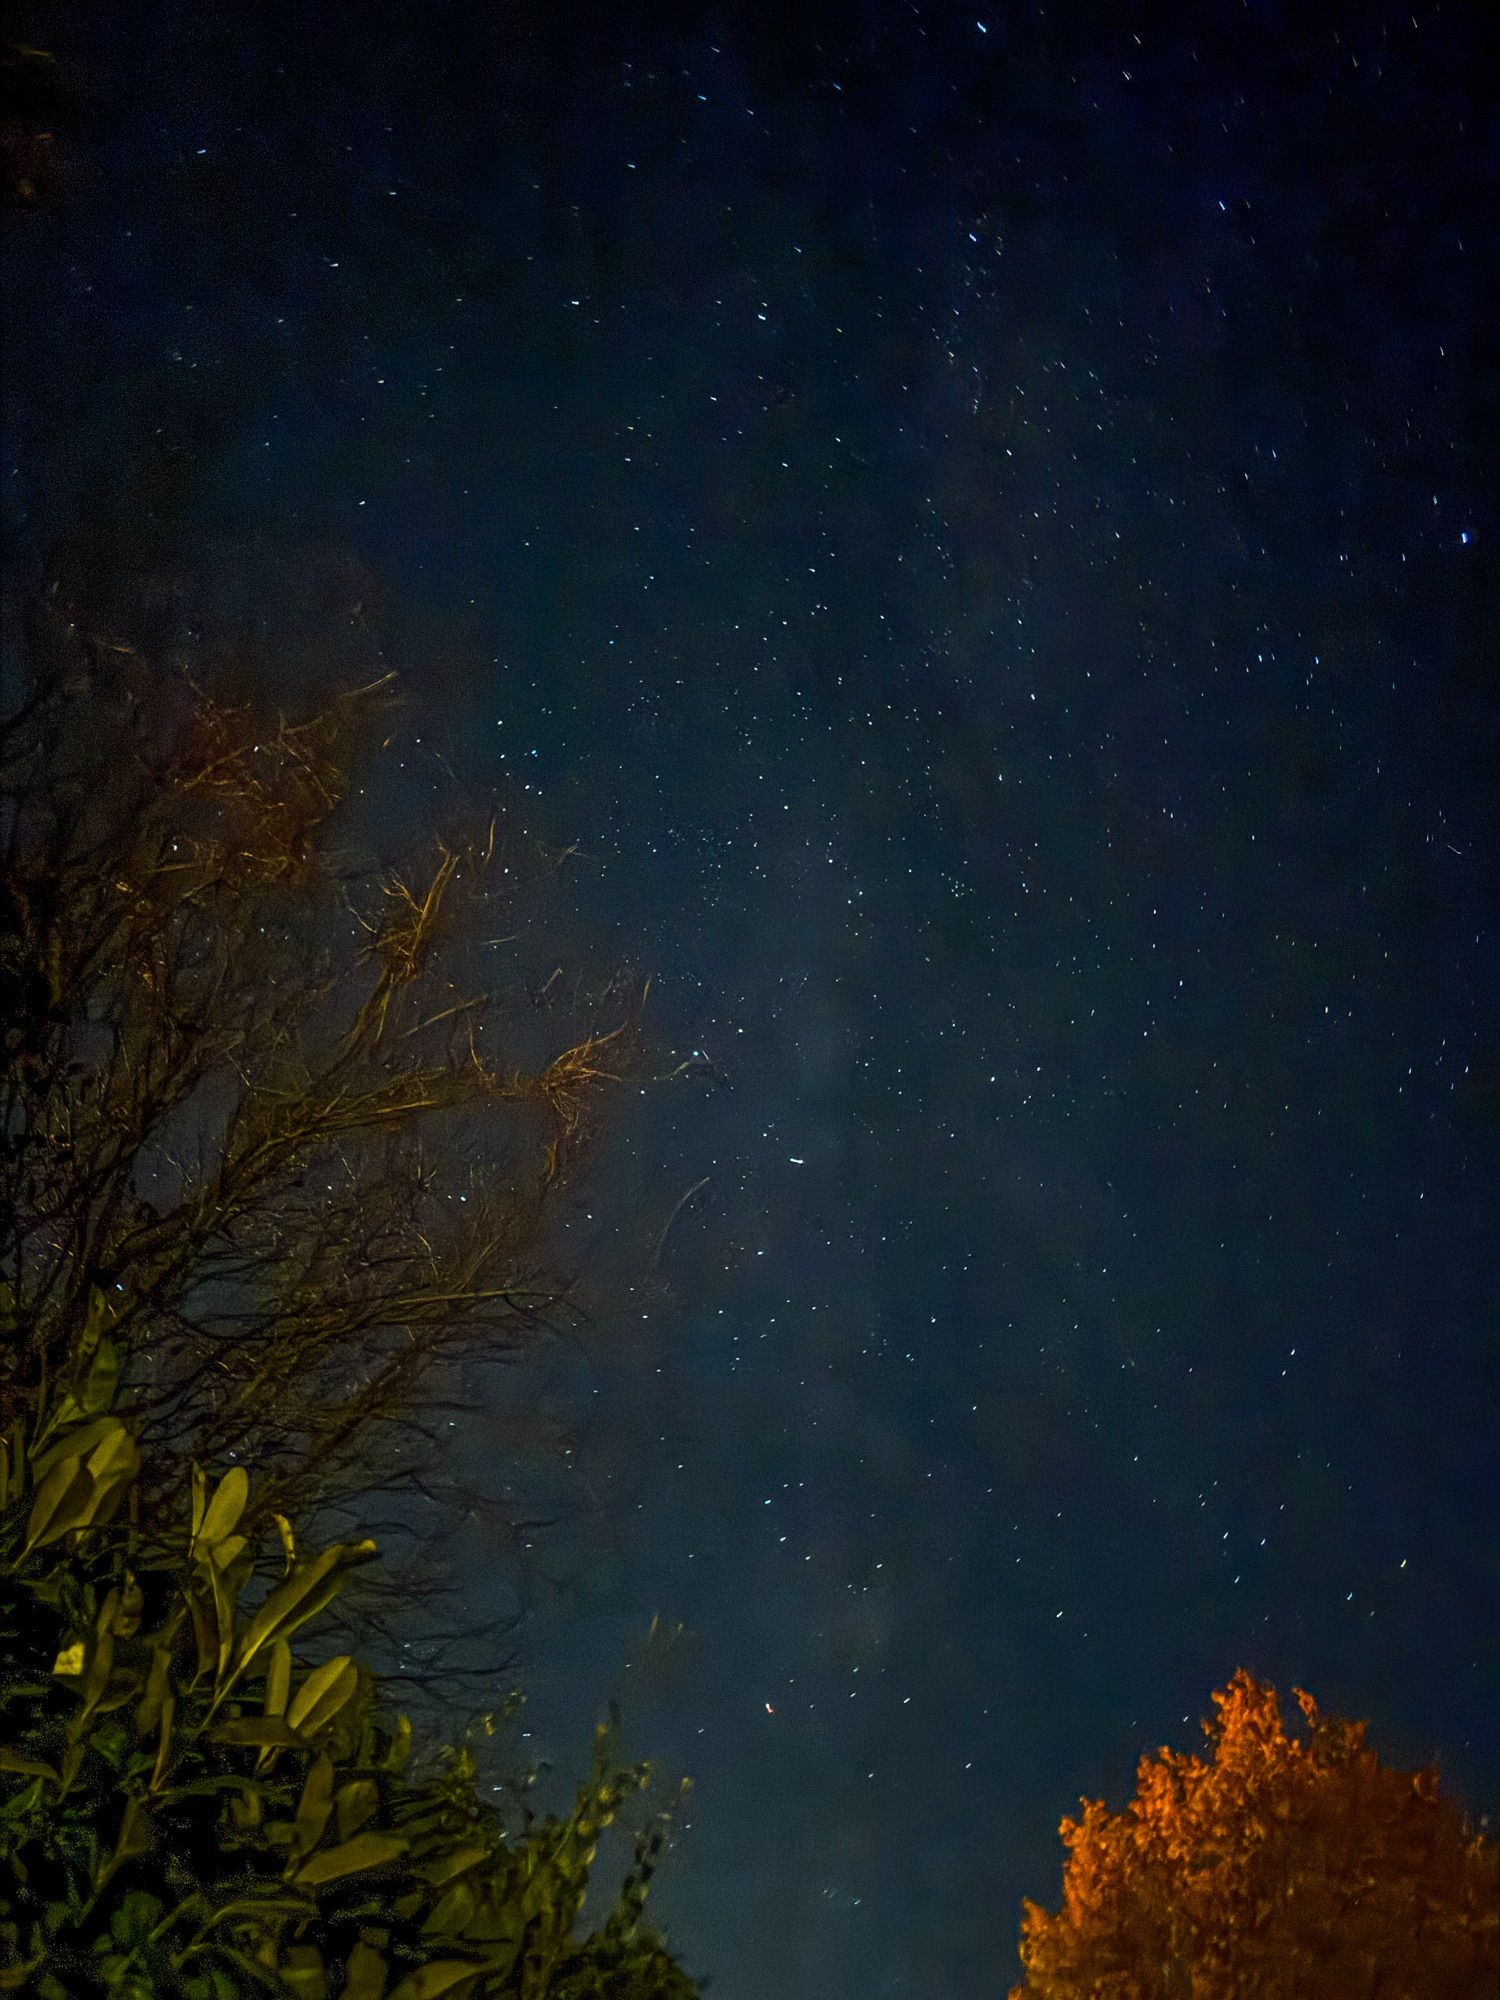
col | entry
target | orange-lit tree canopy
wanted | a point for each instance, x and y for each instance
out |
(1278, 1867)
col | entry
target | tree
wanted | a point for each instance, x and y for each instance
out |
(276, 1161)
(1280, 1867)
(189, 1812)
(276, 1148)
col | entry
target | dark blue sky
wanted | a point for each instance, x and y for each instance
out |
(981, 526)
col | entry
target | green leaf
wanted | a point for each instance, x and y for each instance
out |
(314, 1809)
(353, 1804)
(72, 1661)
(278, 1678)
(366, 1975)
(77, 1491)
(158, 1681)
(133, 1839)
(137, 1916)
(323, 1694)
(399, 1750)
(98, 1392)
(95, 1372)
(74, 1443)
(115, 1465)
(238, 1787)
(350, 1857)
(20, 1805)
(222, 1514)
(440, 1979)
(257, 1732)
(453, 1912)
(301, 1596)
(226, 1578)
(205, 1631)
(274, 1903)
(302, 1970)
(200, 1502)
(453, 1861)
(63, 1500)
(24, 1767)
(115, 1457)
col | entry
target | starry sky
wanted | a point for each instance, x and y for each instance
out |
(980, 527)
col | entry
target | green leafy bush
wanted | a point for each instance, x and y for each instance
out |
(188, 1811)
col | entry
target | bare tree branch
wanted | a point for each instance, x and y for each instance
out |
(267, 1133)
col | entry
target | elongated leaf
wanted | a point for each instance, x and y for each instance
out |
(399, 1751)
(353, 1803)
(350, 1857)
(75, 1492)
(224, 1588)
(314, 1809)
(440, 1979)
(258, 1732)
(164, 1742)
(158, 1685)
(453, 1912)
(278, 1678)
(134, 1838)
(116, 1455)
(307, 1591)
(107, 1505)
(366, 1974)
(205, 1632)
(323, 1694)
(20, 1805)
(222, 1514)
(226, 1555)
(101, 1658)
(241, 1791)
(74, 1443)
(24, 1767)
(451, 1862)
(103, 1379)
(100, 1316)
(62, 1502)
(301, 1969)
(274, 1903)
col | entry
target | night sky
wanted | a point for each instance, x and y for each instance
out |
(981, 527)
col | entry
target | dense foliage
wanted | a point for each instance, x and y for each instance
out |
(1280, 1867)
(189, 1812)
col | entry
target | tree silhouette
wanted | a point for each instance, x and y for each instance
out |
(278, 1144)
(1279, 1867)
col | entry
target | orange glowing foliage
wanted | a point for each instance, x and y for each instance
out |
(1277, 1867)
